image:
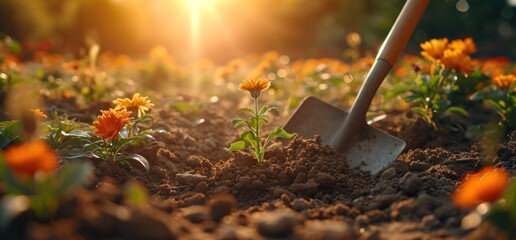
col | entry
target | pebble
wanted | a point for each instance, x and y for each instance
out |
(221, 205)
(389, 173)
(278, 223)
(202, 187)
(300, 204)
(196, 214)
(429, 222)
(325, 179)
(410, 183)
(329, 230)
(190, 179)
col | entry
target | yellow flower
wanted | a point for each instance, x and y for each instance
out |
(458, 60)
(433, 49)
(29, 158)
(466, 46)
(38, 113)
(136, 104)
(486, 185)
(504, 81)
(109, 124)
(255, 86)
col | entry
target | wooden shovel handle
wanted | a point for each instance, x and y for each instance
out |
(387, 55)
(402, 30)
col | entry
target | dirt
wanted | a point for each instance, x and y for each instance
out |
(303, 190)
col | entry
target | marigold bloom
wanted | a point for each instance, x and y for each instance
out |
(486, 185)
(458, 60)
(494, 66)
(504, 81)
(255, 86)
(136, 104)
(29, 158)
(38, 113)
(433, 49)
(110, 123)
(466, 46)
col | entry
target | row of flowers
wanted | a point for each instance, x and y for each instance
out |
(33, 169)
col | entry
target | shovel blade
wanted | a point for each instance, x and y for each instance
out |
(372, 149)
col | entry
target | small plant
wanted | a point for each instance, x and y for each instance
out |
(250, 138)
(31, 169)
(443, 90)
(108, 127)
(116, 129)
(61, 132)
(502, 98)
(10, 133)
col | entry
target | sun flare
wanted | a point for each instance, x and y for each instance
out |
(196, 4)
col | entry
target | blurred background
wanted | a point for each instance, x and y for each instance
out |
(224, 29)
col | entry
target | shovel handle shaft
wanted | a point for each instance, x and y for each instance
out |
(387, 55)
(402, 30)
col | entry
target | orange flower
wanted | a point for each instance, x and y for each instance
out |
(137, 103)
(255, 86)
(38, 113)
(433, 49)
(494, 66)
(110, 123)
(504, 81)
(29, 158)
(486, 185)
(466, 46)
(456, 59)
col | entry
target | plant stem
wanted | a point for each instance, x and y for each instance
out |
(256, 115)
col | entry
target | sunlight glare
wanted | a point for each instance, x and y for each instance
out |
(198, 3)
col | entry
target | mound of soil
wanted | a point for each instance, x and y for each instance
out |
(303, 190)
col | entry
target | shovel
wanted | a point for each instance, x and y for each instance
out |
(348, 132)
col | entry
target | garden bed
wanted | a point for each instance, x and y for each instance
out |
(303, 190)
(157, 167)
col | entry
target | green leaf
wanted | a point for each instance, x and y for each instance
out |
(421, 111)
(7, 176)
(81, 153)
(239, 122)
(257, 121)
(251, 138)
(247, 109)
(76, 133)
(236, 146)
(10, 132)
(123, 142)
(455, 109)
(137, 157)
(265, 110)
(280, 133)
(397, 90)
(136, 194)
(73, 175)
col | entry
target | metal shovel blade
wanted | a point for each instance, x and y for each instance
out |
(371, 151)
(366, 147)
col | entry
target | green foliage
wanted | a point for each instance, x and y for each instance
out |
(113, 149)
(439, 96)
(503, 212)
(10, 133)
(62, 132)
(501, 101)
(250, 139)
(45, 190)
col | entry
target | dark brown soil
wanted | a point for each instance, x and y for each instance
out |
(303, 190)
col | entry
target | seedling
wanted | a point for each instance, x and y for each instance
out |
(250, 138)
